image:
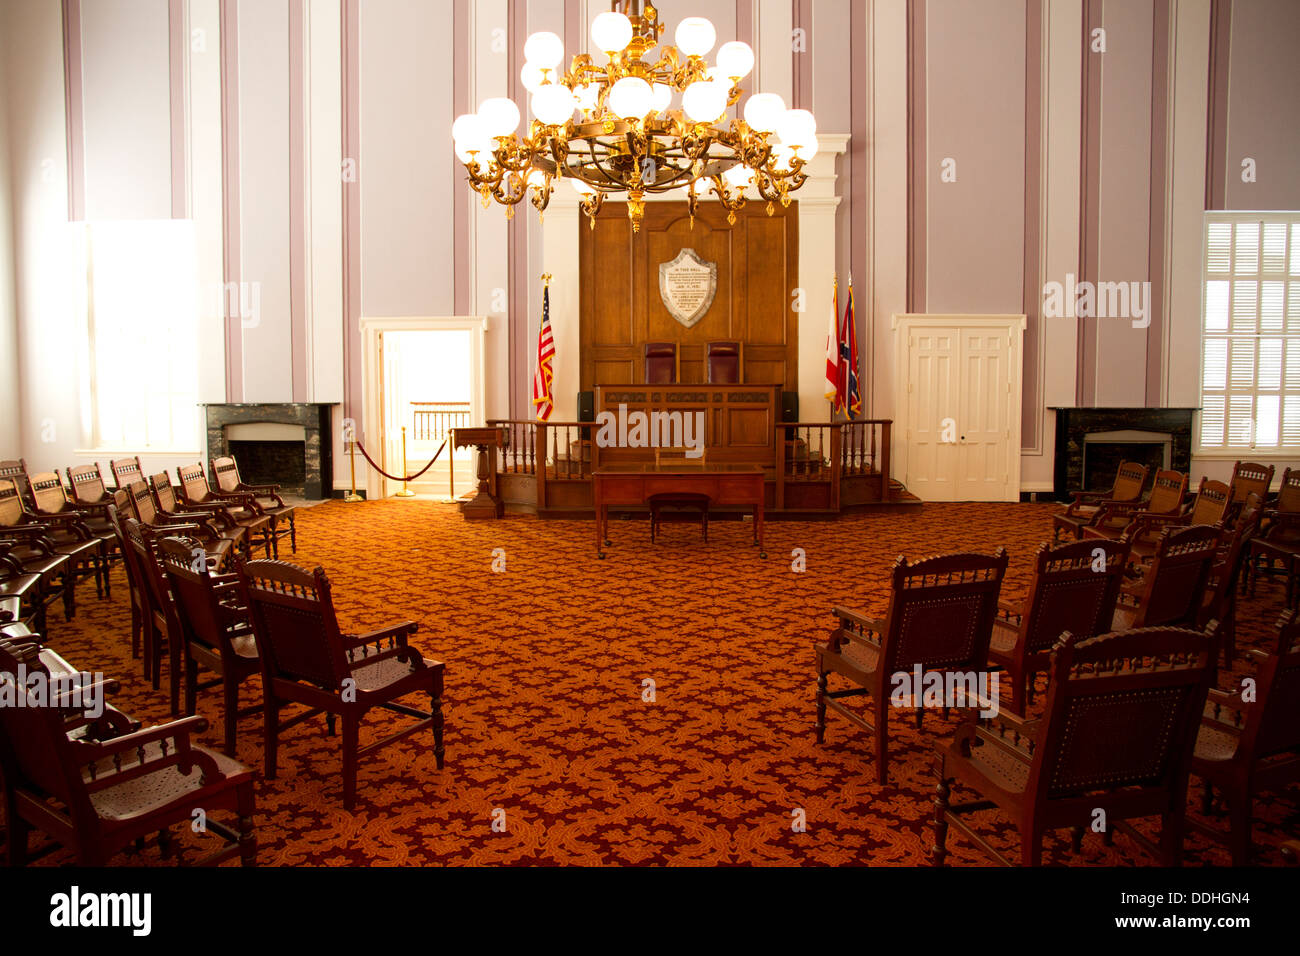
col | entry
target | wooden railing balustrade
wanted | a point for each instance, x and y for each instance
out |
(435, 420)
(822, 464)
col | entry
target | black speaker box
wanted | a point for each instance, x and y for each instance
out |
(586, 406)
(789, 406)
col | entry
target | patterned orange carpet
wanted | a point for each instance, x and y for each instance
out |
(549, 731)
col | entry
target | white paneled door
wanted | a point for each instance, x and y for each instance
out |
(959, 434)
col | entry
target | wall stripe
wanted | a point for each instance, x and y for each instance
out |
(460, 208)
(917, 162)
(299, 288)
(1216, 166)
(352, 384)
(178, 57)
(230, 219)
(1158, 193)
(855, 181)
(517, 230)
(1031, 417)
(74, 110)
(802, 65)
(1089, 199)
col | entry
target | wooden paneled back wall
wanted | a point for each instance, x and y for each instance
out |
(620, 307)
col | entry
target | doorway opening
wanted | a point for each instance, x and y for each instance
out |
(427, 389)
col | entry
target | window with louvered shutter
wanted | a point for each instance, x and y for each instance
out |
(1250, 351)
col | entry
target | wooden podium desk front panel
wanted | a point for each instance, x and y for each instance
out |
(740, 420)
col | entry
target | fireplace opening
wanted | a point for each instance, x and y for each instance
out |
(270, 453)
(1104, 452)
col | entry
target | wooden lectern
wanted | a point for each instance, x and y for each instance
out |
(483, 504)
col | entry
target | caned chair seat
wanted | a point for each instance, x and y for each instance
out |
(1005, 771)
(1216, 744)
(384, 674)
(1003, 641)
(854, 660)
(153, 792)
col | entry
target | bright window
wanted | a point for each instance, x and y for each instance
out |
(141, 320)
(1250, 357)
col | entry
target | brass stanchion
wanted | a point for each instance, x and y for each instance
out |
(353, 496)
(405, 492)
(451, 471)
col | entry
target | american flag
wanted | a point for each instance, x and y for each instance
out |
(542, 398)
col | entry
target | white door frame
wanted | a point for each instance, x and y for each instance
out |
(376, 485)
(1014, 324)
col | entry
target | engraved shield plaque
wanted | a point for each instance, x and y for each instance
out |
(687, 286)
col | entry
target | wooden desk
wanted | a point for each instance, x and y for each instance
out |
(633, 484)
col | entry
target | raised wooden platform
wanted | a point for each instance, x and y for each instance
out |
(824, 469)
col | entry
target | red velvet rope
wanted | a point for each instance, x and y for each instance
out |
(366, 455)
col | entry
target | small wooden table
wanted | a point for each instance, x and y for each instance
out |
(633, 484)
(483, 504)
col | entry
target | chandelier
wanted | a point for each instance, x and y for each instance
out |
(636, 125)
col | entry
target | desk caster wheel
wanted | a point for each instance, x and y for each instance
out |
(600, 555)
(608, 542)
(762, 554)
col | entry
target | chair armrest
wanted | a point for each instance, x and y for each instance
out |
(860, 620)
(400, 631)
(177, 730)
(1009, 609)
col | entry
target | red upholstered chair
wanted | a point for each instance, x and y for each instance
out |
(722, 361)
(307, 660)
(661, 363)
(1117, 735)
(940, 618)
(98, 796)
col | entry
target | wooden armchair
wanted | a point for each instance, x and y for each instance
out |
(1116, 735)
(118, 512)
(97, 797)
(1073, 588)
(1249, 478)
(1210, 508)
(1251, 747)
(215, 630)
(91, 497)
(15, 470)
(88, 552)
(32, 548)
(216, 545)
(1220, 600)
(1277, 547)
(1082, 511)
(162, 628)
(307, 660)
(239, 507)
(225, 471)
(126, 470)
(30, 592)
(1114, 519)
(212, 516)
(1171, 591)
(941, 612)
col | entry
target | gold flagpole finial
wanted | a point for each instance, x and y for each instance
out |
(546, 279)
